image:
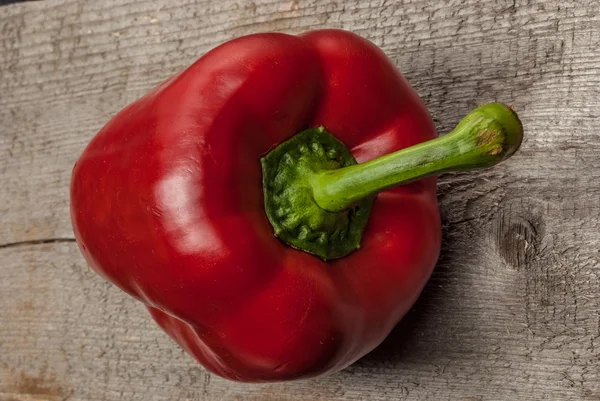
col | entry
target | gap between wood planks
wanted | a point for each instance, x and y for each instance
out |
(7, 2)
(37, 242)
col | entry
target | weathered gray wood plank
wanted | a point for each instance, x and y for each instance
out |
(512, 311)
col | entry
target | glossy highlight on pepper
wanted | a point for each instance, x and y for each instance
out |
(168, 203)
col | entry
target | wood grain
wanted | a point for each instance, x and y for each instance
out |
(512, 310)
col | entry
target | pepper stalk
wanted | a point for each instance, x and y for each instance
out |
(318, 198)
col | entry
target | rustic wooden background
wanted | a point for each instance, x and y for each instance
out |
(512, 310)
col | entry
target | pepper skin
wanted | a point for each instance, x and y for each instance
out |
(167, 204)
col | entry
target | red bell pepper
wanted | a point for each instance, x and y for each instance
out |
(243, 239)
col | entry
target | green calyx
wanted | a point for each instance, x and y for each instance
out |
(297, 219)
(319, 200)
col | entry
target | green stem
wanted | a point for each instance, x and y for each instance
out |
(488, 135)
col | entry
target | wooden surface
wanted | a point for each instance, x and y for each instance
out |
(512, 310)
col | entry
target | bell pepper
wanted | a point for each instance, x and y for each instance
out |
(274, 205)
